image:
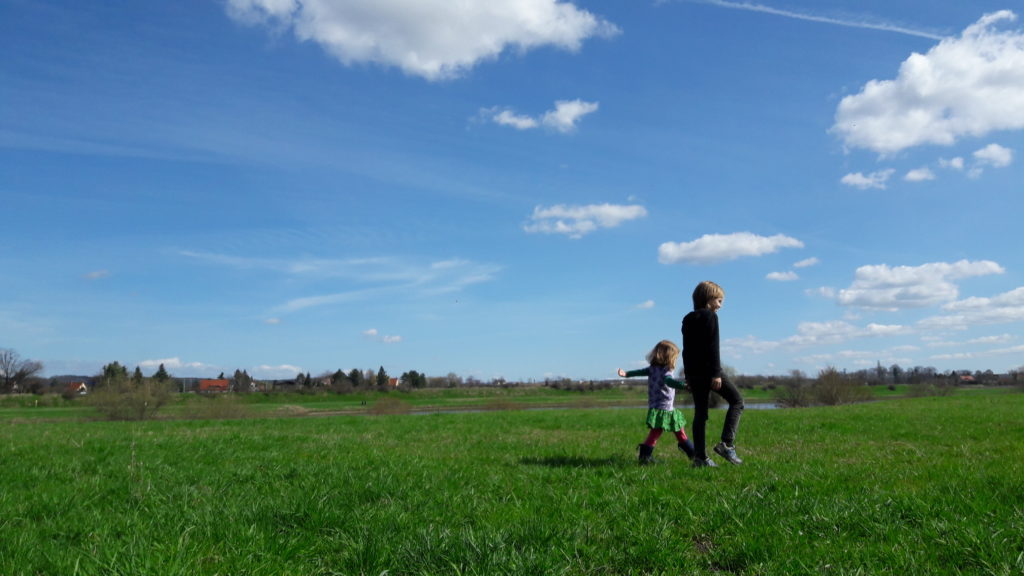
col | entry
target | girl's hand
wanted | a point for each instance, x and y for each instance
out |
(622, 373)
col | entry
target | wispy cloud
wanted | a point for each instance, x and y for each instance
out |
(808, 17)
(577, 221)
(368, 277)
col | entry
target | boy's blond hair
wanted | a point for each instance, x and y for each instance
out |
(705, 292)
(664, 354)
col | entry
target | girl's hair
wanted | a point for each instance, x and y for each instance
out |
(705, 292)
(664, 354)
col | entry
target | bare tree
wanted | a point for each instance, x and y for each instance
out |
(14, 370)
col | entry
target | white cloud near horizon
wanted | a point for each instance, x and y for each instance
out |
(171, 364)
(578, 221)
(894, 288)
(713, 248)
(433, 39)
(968, 85)
(563, 118)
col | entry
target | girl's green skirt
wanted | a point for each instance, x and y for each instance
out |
(671, 420)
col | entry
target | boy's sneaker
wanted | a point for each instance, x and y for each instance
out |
(705, 463)
(727, 452)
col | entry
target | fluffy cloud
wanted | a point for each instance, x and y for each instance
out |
(919, 175)
(577, 221)
(873, 180)
(434, 39)
(806, 263)
(712, 248)
(892, 288)
(563, 118)
(960, 315)
(787, 276)
(994, 155)
(969, 85)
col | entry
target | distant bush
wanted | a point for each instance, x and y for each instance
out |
(123, 398)
(793, 394)
(832, 388)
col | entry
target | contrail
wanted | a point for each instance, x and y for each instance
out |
(750, 7)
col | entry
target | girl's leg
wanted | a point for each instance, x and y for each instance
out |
(684, 443)
(652, 437)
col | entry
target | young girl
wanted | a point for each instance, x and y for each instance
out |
(661, 394)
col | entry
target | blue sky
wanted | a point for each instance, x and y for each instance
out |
(514, 188)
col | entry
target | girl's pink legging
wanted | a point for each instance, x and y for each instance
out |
(655, 433)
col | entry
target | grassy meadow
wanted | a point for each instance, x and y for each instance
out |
(929, 485)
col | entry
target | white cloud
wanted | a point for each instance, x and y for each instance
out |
(434, 39)
(969, 85)
(509, 118)
(837, 331)
(279, 372)
(787, 276)
(373, 334)
(647, 305)
(577, 221)
(171, 364)
(892, 288)
(994, 155)
(1001, 309)
(272, 321)
(563, 118)
(806, 263)
(97, 274)
(872, 180)
(952, 163)
(919, 175)
(712, 248)
(566, 113)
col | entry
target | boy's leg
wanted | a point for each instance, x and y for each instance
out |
(731, 394)
(700, 418)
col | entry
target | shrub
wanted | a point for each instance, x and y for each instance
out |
(834, 388)
(122, 398)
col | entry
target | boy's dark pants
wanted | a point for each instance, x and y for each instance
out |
(701, 391)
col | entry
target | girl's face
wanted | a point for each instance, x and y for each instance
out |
(715, 304)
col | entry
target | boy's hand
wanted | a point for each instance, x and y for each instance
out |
(716, 383)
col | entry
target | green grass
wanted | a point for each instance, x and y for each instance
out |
(906, 486)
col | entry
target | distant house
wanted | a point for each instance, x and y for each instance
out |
(79, 388)
(214, 386)
(967, 379)
(393, 382)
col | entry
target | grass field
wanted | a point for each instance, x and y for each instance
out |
(903, 486)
